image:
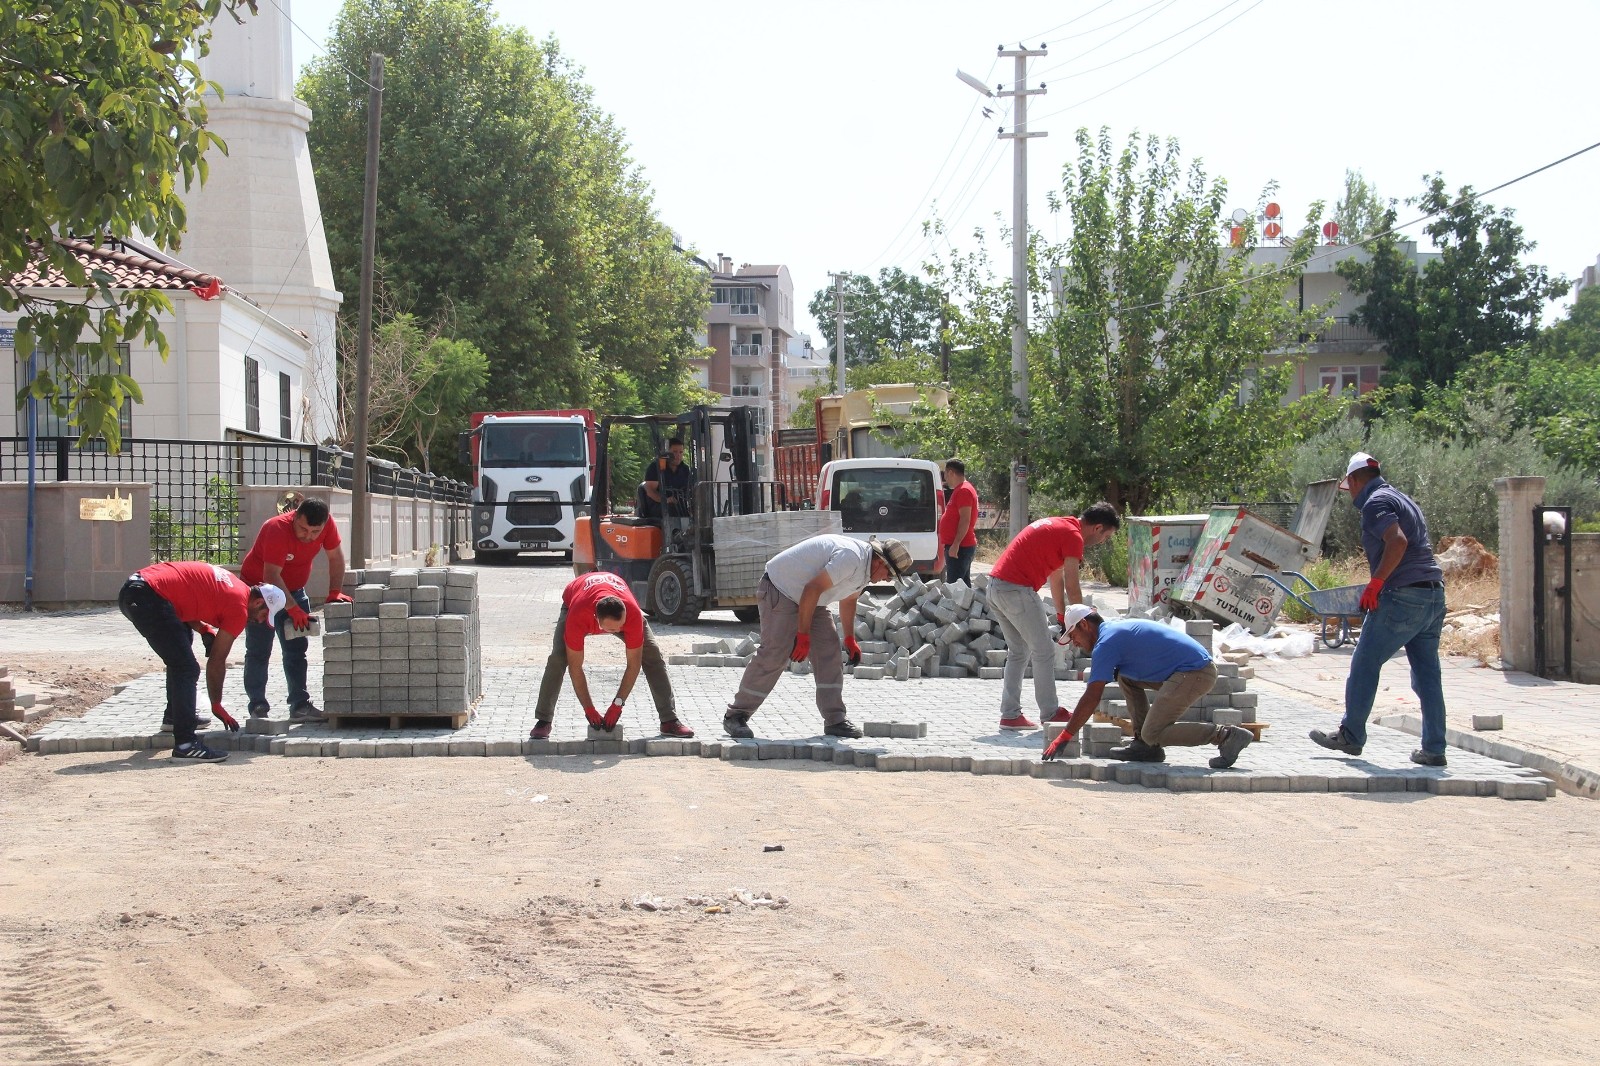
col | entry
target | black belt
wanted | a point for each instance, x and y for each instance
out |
(1426, 585)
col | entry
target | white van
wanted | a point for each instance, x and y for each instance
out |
(900, 498)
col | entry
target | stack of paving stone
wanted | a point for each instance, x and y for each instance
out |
(17, 706)
(1227, 704)
(718, 653)
(408, 645)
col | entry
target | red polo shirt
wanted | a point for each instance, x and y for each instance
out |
(964, 495)
(580, 597)
(276, 544)
(202, 592)
(1038, 551)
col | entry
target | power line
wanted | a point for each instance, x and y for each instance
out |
(1146, 48)
(321, 46)
(1070, 21)
(1120, 33)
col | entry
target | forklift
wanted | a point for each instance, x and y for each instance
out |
(670, 562)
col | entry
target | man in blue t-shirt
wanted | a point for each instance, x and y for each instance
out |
(1143, 656)
(1404, 605)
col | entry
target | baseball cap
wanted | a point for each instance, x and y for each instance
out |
(894, 553)
(1358, 461)
(1075, 613)
(276, 601)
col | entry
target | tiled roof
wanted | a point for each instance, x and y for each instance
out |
(130, 267)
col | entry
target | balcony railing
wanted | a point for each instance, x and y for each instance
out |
(749, 351)
(744, 309)
(747, 390)
(1340, 331)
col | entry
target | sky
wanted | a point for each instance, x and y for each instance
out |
(822, 134)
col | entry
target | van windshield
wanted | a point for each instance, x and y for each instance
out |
(885, 500)
(533, 445)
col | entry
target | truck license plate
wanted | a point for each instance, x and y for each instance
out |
(535, 545)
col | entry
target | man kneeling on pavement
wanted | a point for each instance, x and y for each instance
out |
(602, 603)
(1145, 656)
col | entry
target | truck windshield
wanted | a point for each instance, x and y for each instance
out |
(533, 445)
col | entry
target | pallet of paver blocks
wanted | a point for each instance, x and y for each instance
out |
(408, 647)
(746, 543)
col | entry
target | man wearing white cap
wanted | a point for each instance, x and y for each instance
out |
(1144, 656)
(793, 596)
(168, 603)
(1404, 602)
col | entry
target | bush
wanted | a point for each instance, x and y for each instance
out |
(1324, 573)
(1111, 558)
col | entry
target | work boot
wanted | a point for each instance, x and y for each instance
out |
(307, 712)
(843, 728)
(1423, 758)
(260, 710)
(1137, 750)
(1229, 747)
(676, 728)
(1336, 741)
(540, 731)
(737, 726)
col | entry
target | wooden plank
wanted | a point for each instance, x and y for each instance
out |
(399, 721)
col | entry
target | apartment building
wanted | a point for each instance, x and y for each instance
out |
(749, 329)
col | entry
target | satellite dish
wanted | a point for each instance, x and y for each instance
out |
(1273, 211)
(1273, 230)
(1240, 214)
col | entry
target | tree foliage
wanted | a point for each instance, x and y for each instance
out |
(1151, 376)
(893, 313)
(100, 118)
(1477, 296)
(507, 198)
(1360, 212)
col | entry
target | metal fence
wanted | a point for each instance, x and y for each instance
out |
(194, 494)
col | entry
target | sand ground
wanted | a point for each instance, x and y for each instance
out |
(450, 910)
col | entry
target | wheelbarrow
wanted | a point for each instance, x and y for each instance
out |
(1337, 605)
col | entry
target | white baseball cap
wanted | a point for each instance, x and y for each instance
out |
(1074, 614)
(1358, 461)
(276, 601)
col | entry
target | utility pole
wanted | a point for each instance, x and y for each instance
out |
(1019, 267)
(839, 316)
(944, 338)
(360, 505)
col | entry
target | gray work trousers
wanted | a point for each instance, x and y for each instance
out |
(780, 624)
(652, 665)
(1158, 725)
(1021, 616)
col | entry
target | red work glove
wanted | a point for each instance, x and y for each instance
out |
(594, 718)
(802, 648)
(1061, 620)
(852, 651)
(337, 596)
(1059, 744)
(298, 616)
(612, 717)
(1369, 595)
(225, 718)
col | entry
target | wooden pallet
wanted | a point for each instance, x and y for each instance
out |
(418, 720)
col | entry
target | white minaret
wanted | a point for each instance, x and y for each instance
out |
(256, 223)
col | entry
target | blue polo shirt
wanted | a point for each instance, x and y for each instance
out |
(1142, 650)
(1381, 506)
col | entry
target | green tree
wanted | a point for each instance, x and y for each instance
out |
(1477, 296)
(1360, 212)
(1151, 377)
(100, 117)
(897, 311)
(507, 201)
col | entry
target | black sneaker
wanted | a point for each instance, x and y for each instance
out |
(843, 728)
(1336, 741)
(737, 726)
(260, 710)
(307, 712)
(1422, 758)
(1137, 750)
(1230, 747)
(198, 752)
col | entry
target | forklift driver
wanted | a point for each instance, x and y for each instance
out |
(668, 481)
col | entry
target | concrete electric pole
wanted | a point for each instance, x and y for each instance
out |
(839, 315)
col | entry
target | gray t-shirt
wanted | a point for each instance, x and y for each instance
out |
(848, 562)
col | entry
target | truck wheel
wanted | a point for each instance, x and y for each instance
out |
(672, 598)
(747, 614)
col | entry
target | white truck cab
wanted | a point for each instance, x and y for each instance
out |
(531, 481)
(901, 498)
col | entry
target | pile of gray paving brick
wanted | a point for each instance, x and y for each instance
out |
(935, 629)
(410, 644)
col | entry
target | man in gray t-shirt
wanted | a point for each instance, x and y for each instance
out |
(795, 623)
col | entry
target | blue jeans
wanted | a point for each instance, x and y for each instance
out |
(959, 568)
(1409, 618)
(156, 620)
(258, 638)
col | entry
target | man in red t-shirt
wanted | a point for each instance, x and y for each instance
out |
(1050, 549)
(594, 603)
(958, 526)
(282, 555)
(168, 603)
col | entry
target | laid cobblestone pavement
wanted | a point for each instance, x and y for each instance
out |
(520, 605)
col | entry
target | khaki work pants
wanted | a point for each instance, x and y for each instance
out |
(780, 624)
(1158, 724)
(652, 664)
